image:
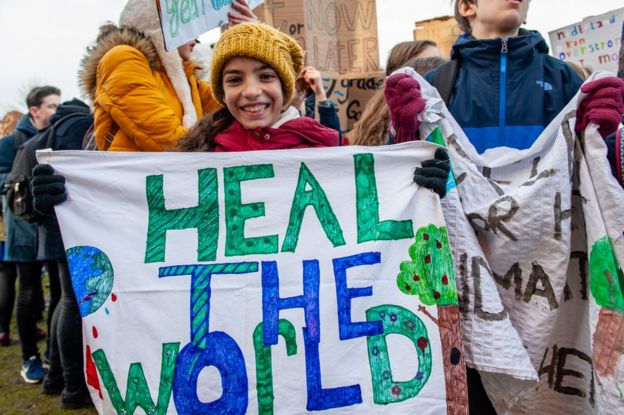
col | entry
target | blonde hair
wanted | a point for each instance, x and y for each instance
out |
(9, 122)
(582, 71)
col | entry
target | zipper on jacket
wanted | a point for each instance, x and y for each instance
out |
(502, 113)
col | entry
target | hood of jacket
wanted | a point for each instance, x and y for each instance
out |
(111, 36)
(26, 126)
(467, 47)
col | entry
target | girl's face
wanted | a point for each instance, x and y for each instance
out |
(253, 92)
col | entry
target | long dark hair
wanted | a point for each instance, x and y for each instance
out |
(201, 136)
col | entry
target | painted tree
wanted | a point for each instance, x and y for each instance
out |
(430, 276)
(607, 285)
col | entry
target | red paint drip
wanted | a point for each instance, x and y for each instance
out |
(91, 371)
(95, 332)
(425, 237)
(444, 279)
(407, 287)
(438, 244)
(416, 277)
(422, 344)
(428, 259)
(436, 295)
(113, 297)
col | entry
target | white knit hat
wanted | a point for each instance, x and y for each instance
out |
(143, 16)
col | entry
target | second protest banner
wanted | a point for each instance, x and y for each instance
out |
(281, 281)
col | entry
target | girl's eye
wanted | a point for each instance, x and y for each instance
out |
(232, 80)
(268, 76)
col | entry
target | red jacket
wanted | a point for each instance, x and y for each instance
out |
(301, 132)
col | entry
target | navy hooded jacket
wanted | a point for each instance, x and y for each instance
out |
(507, 91)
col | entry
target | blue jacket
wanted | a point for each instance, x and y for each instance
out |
(21, 243)
(507, 91)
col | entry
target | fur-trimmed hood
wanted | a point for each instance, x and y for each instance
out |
(138, 23)
(111, 36)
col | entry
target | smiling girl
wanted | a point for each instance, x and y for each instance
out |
(253, 75)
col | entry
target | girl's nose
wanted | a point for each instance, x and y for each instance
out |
(252, 89)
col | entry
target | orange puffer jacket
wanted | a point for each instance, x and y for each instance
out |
(136, 107)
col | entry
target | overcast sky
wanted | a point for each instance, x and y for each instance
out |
(42, 41)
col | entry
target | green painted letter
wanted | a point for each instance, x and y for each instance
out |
(367, 206)
(316, 198)
(204, 217)
(236, 213)
(397, 320)
(137, 392)
(264, 366)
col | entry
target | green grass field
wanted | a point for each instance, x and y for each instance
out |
(18, 397)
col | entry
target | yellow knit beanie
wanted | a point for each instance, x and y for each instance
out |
(264, 43)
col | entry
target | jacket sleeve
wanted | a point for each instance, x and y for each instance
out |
(130, 94)
(209, 104)
(615, 150)
(329, 117)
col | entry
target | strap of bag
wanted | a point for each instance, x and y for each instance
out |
(445, 79)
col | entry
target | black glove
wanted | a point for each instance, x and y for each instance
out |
(434, 172)
(48, 189)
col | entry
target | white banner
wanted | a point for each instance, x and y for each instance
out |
(189, 267)
(184, 20)
(550, 232)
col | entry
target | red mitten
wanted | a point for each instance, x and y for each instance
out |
(603, 105)
(405, 102)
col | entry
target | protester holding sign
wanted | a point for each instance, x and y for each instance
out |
(513, 111)
(144, 97)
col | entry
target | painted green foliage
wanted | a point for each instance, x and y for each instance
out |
(137, 391)
(430, 274)
(397, 320)
(264, 363)
(606, 277)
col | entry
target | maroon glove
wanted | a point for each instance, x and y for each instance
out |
(405, 102)
(603, 105)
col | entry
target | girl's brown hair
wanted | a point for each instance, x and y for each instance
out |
(201, 136)
(404, 51)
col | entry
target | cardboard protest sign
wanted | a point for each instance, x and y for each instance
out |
(442, 30)
(340, 40)
(594, 42)
(263, 282)
(339, 36)
(538, 238)
(350, 96)
(184, 20)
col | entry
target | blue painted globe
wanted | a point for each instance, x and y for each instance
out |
(92, 277)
